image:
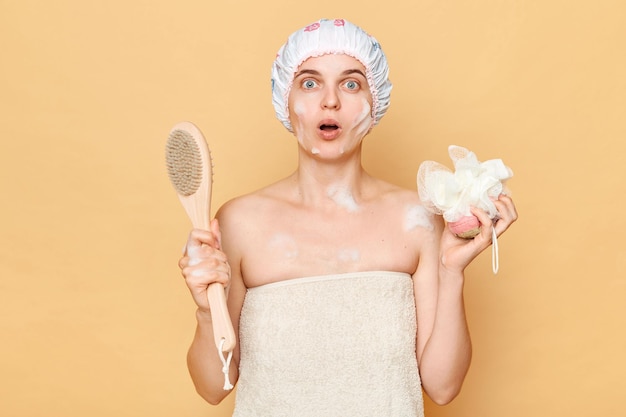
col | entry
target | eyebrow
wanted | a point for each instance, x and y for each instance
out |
(353, 71)
(315, 72)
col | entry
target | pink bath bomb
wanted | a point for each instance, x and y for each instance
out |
(466, 227)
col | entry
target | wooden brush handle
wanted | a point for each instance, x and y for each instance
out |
(222, 326)
(198, 208)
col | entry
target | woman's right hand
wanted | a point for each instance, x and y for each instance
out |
(203, 263)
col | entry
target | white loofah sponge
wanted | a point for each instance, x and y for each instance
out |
(472, 184)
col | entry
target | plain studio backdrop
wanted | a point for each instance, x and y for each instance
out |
(94, 316)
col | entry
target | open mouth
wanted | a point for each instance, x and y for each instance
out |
(328, 127)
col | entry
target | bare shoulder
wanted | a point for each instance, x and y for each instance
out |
(249, 225)
(418, 224)
(408, 232)
(237, 208)
(406, 200)
(248, 210)
(397, 193)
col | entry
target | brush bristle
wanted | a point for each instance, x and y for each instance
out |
(184, 162)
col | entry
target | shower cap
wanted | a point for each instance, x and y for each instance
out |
(330, 36)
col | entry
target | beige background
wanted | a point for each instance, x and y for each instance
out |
(94, 317)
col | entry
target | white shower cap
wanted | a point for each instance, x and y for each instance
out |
(328, 36)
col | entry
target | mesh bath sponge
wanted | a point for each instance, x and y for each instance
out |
(472, 184)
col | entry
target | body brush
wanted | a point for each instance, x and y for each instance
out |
(190, 171)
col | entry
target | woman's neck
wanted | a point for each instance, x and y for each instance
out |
(330, 183)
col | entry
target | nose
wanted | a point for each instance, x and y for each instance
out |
(330, 100)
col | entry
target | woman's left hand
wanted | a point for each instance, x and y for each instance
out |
(457, 253)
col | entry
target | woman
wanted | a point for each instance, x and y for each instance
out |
(346, 294)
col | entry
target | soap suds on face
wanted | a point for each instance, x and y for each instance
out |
(315, 151)
(299, 110)
(342, 197)
(418, 216)
(284, 244)
(363, 121)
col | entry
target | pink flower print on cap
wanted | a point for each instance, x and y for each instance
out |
(312, 27)
(340, 22)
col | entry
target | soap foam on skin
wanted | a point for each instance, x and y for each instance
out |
(194, 256)
(418, 216)
(363, 121)
(285, 244)
(349, 255)
(342, 197)
(299, 110)
(194, 261)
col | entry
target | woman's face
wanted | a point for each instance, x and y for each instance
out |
(330, 105)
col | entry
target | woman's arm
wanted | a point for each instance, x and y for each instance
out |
(204, 262)
(444, 347)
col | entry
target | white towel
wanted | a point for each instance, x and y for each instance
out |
(339, 345)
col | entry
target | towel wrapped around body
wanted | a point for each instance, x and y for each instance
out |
(336, 345)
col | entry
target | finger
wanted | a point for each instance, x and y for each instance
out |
(206, 258)
(199, 238)
(215, 228)
(509, 206)
(183, 262)
(506, 208)
(506, 219)
(483, 218)
(204, 276)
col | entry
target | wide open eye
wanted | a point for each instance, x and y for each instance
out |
(308, 84)
(352, 85)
